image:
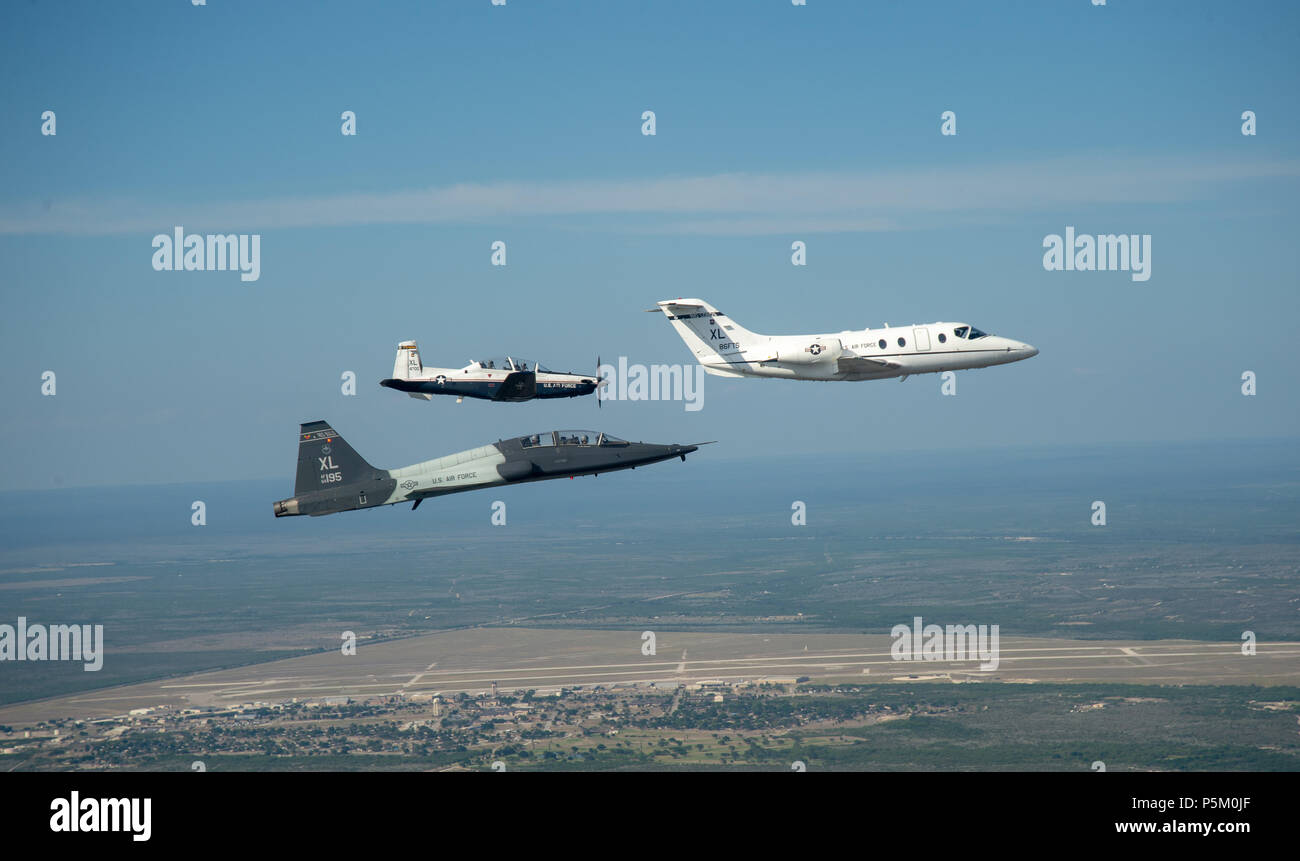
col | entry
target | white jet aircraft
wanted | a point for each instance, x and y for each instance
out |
(727, 349)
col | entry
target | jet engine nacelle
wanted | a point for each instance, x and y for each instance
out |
(811, 352)
(514, 470)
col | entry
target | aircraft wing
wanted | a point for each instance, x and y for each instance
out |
(520, 384)
(863, 365)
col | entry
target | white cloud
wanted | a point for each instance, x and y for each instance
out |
(736, 204)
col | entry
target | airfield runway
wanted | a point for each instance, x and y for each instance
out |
(548, 659)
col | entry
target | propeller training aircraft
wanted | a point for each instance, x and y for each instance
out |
(496, 379)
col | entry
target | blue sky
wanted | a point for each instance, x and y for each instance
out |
(522, 123)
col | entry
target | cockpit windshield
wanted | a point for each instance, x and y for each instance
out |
(509, 363)
(969, 332)
(570, 437)
(538, 439)
(578, 437)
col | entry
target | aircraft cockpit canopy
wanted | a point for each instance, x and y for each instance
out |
(578, 437)
(570, 437)
(969, 332)
(509, 363)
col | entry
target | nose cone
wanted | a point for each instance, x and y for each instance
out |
(1019, 350)
(647, 452)
(681, 450)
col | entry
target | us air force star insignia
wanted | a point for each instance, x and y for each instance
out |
(441, 378)
(815, 349)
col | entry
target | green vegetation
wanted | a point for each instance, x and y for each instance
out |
(853, 727)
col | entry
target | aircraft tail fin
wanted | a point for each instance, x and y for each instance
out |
(326, 460)
(713, 337)
(407, 364)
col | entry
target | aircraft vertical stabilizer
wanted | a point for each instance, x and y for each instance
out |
(713, 337)
(407, 364)
(325, 460)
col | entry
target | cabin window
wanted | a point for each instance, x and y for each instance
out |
(902, 342)
(943, 339)
(882, 343)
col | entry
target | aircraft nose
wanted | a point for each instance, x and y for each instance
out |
(1020, 350)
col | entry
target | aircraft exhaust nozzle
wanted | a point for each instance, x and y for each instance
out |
(286, 508)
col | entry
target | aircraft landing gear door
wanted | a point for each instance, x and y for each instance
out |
(921, 337)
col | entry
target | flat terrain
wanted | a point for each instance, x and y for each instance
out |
(1119, 643)
(518, 659)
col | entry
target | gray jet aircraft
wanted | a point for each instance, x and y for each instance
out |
(333, 477)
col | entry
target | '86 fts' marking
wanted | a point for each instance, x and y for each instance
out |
(716, 334)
